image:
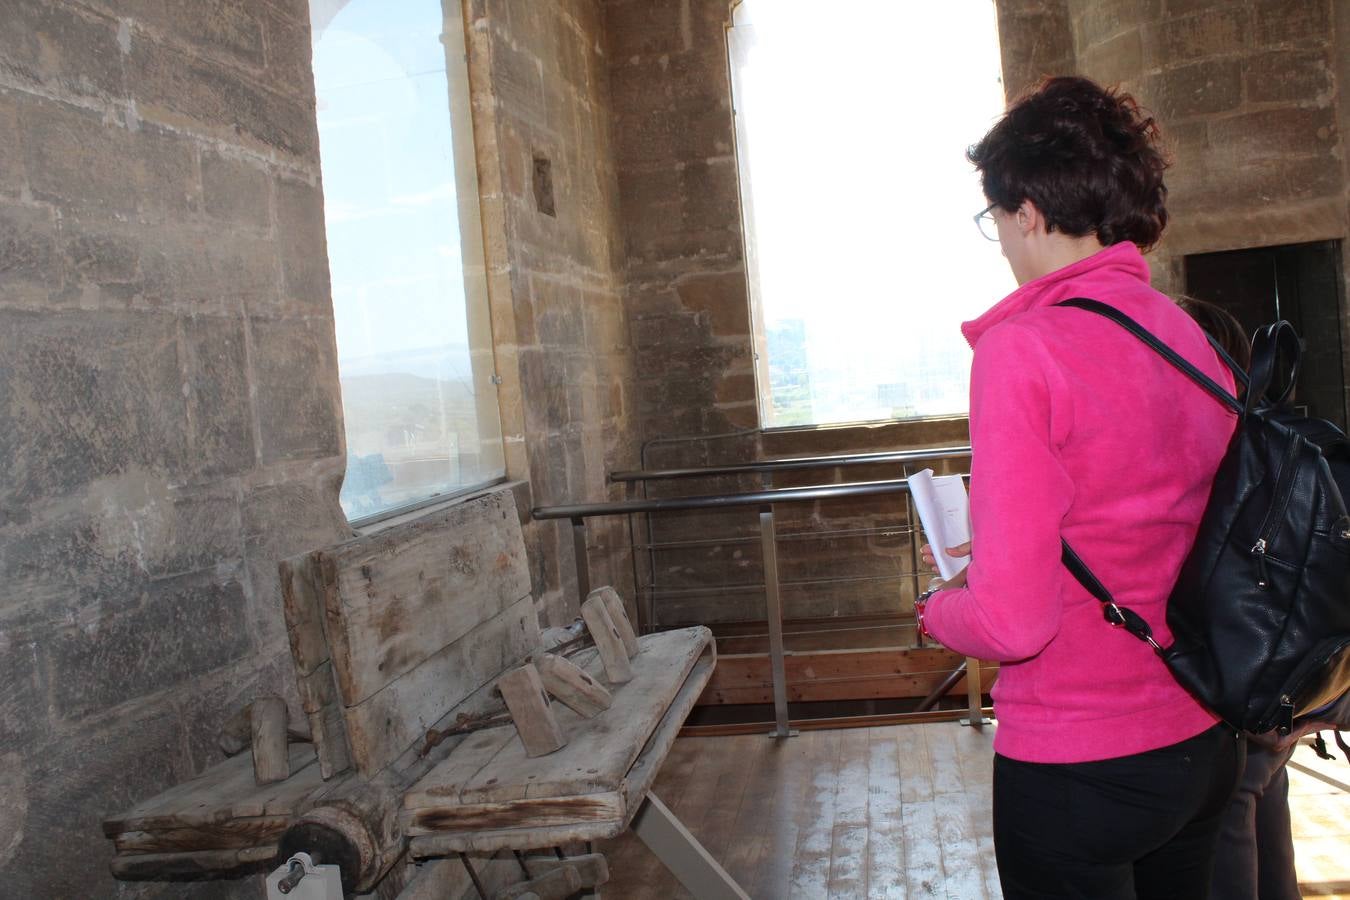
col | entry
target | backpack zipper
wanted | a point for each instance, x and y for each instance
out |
(1275, 516)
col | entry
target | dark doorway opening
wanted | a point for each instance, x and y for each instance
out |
(1297, 282)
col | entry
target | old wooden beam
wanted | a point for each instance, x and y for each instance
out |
(523, 691)
(618, 614)
(267, 718)
(570, 684)
(613, 654)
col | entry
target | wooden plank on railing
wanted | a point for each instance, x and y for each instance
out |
(873, 673)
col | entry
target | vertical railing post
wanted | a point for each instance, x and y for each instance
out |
(579, 554)
(974, 694)
(773, 609)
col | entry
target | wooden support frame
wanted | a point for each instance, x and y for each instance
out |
(682, 854)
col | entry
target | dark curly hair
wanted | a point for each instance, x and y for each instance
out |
(1088, 157)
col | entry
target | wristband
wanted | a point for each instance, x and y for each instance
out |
(920, 602)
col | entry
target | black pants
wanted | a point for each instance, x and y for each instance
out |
(1140, 826)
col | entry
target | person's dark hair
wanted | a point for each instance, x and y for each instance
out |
(1220, 324)
(1088, 157)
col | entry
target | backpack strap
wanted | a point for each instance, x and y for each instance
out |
(1210, 386)
(1119, 616)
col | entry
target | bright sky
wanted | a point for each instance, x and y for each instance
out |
(855, 119)
(389, 185)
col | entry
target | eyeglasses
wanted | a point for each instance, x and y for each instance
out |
(984, 220)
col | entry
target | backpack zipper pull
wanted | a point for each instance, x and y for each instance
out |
(1259, 550)
(1285, 723)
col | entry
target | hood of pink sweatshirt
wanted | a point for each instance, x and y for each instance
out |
(1079, 431)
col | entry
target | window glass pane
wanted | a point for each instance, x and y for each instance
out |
(404, 251)
(851, 134)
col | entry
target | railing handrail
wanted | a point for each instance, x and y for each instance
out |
(577, 511)
(801, 462)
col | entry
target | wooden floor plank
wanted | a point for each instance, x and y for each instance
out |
(815, 820)
(848, 848)
(886, 847)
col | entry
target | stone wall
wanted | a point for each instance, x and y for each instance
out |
(540, 77)
(1250, 100)
(1253, 101)
(169, 416)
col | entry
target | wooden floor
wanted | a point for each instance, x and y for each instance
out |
(894, 811)
(864, 812)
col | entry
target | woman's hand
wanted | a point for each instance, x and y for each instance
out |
(926, 551)
(957, 580)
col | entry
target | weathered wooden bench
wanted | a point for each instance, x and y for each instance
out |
(398, 638)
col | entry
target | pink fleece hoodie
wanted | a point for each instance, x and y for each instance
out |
(1080, 431)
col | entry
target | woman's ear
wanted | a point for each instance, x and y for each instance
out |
(1029, 217)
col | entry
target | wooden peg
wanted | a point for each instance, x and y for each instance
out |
(524, 694)
(271, 760)
(613, 654)
(619, 615)
(558, 884)
(569, 684)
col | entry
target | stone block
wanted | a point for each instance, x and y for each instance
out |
(1202, 88)
(191, 92)
(1216, 31)
(23, 705)
(183, 628)
(1100, 20)
(66, 786)
(1287, 76)
(60, 47)
(557, 313)
(75, 160)
(720, 299)
(101, 254)
(1034, 43)
(29, 267)
(1302, 22)
(294, 381)
(544, 392)
(12, 178)
(517, 82)
(288, 52)
(667, 334)
(1275, 135)
(214, 271)
(201, 530)
(684, 133)
(235, 191)
(221, 29)
(53, 570)
(294, 517)
(87, 396)
(303, 244)
(1117, 59)
(218, 403)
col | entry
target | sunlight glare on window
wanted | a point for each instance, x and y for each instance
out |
(852, 121)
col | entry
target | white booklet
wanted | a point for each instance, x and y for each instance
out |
(944, 510)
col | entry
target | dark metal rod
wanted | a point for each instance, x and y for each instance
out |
(942, 689)
(883, 530)
(804, 462)
(582, 559)
(774, 614)
(724, 501)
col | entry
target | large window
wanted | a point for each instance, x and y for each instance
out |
(852, 121)
(405, 252)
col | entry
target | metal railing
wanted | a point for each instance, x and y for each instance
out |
(764, 500)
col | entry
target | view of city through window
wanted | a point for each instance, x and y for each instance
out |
(420, 412)
(852, 122)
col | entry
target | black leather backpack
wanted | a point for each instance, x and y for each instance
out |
(1260, 614)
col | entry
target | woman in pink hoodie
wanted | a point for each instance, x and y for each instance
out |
(1109, 778)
